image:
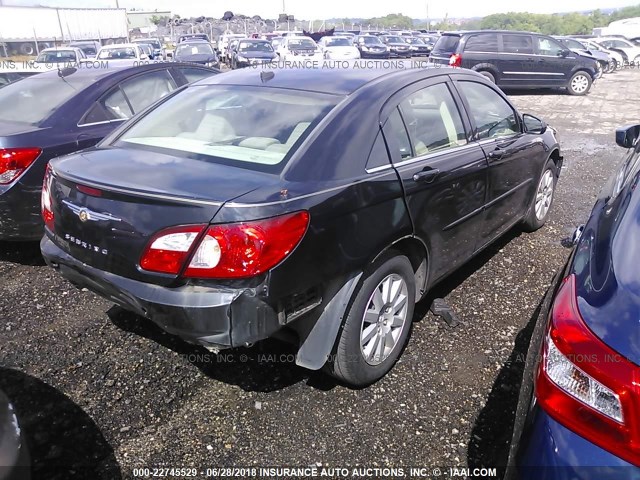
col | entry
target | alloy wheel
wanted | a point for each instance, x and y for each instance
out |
(544, 196)
(384, 319)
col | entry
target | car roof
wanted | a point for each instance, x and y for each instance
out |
(324, 80)
(58, 49)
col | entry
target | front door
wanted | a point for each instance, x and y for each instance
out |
(511, 155)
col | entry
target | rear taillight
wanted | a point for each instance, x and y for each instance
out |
(237, 250)
(585, 385)
(46, 200)
(455, 60)
(14, 162)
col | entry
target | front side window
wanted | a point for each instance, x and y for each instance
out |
(249, 127)
(517, 44)
(547, 46)
(493, 116)
(433, 120)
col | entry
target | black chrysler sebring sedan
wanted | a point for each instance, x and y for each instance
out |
(313, 205)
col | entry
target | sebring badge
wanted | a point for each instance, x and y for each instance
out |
(83, 215)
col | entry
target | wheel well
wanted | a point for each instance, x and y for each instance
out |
(557, 158)
(417, 253)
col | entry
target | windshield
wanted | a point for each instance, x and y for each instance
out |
(57, 56)
(338, 42)
(394, 39)
(194, 49)
(569, 42)
(35, 98)
(255, 47)
(371, 40)
(250, 127)
(415, 41)
(117, 53)
(301, 43)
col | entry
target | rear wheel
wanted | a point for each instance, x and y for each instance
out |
(377, 322)
(580, 83)
(488, 75)
(541, 203)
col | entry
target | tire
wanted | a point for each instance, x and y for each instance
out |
(580, 83)
(391, 273)
(488, 75)
(27, 49)
(538, 213)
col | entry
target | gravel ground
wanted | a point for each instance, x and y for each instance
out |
(100, 391)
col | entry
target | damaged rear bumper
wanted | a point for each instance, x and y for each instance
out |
(212, 317)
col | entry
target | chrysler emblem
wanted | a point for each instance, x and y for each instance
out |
(85, 215)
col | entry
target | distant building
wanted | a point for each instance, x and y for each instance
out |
(144, 20)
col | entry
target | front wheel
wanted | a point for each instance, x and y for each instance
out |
(580, 83)
(377, 322)
(541, 203)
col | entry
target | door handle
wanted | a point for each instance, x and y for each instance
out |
(426, 176)
(497, 154)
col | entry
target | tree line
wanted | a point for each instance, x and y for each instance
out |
(549, 24)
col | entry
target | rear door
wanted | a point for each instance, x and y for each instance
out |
(511, 154)
(517, 61)
(443, 174)
(554, 65)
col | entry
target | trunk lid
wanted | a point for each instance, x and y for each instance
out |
(108, 203)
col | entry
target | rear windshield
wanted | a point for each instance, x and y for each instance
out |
(338, 42)
(35, 98)
(117, 53)
(254, 128)
(57, 56)
(447, 44)
(194, 49)
(249, 46)
(301, 44)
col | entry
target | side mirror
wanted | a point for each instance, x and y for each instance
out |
(533, 124)
(626, 136)
(564, 52)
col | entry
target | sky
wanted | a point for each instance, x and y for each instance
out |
(312, 9)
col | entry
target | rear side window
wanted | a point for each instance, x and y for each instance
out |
(378, 156)
(517, 43)
(484, 42)
(433, 120)
(399, 139)
(143, 90)
(493, 116)
(447, 43)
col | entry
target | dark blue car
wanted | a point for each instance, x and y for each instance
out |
(580, 399)
(60, 112)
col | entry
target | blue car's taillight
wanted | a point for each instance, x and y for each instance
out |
(585, 385)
